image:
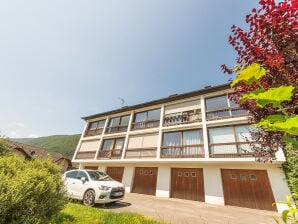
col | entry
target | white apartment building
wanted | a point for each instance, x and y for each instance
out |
(192, 146)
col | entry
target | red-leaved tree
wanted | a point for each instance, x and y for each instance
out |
(271, 41)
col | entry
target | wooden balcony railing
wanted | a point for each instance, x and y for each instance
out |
(114, 129)
(225, 113)
(145, 124)
(85, 155)
(141, 153)
(182, 118)
(93, 132)
(230, 150)
(110, 154)
(186, 151)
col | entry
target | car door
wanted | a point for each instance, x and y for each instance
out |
(79, 186)
(70, 180)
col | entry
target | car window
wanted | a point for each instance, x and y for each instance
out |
(71, 174)
(99, 176)
(82, 174)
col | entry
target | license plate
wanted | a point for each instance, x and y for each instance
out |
(118, 193)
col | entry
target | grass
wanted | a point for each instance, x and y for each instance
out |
(80, 214)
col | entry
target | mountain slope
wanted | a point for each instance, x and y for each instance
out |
(65, 144)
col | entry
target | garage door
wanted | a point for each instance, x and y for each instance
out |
(187, 183)
(144, 181)
(247, 188)
(115, 172)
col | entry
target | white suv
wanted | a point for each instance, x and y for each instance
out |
(92, 187)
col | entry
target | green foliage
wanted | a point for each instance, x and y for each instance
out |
(64, 144)
(291, 169)
(273, 96)
(30, 191)
(79, 214)
(289, 215)
(280, 123)
(4, 147)
(250, 74)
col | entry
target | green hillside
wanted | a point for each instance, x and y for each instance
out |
(65, 144)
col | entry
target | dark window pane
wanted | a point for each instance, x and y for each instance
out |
(93, 126)
(119, 143)
(72, 174)
(215, 103)
(192, 137)
(154, 114)
(171, 139)
(114, 122)
(141, 117)
(101, 124)
(107, 144)
(124, 120)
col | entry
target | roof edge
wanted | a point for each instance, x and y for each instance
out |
(162, 100)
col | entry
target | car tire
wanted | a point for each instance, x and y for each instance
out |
(89, 198)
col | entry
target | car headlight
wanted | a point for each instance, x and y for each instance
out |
(104, 188)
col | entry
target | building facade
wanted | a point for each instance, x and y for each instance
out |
(193, 146)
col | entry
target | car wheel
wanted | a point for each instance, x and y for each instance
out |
(89, 198)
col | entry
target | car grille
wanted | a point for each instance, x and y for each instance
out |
(117, 192)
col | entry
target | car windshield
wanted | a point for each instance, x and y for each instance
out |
(99, 176)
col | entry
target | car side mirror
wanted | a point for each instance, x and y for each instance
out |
(83, 179)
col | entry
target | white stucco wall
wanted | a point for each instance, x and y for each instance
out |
(128, 177)
(213, 185)
(279, 186)
(163, 182)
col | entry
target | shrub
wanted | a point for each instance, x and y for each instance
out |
(30, 191)
(291, 170)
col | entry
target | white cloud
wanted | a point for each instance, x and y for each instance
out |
(20, 124)
(32, 136)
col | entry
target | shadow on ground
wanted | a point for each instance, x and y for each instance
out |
(115, 205)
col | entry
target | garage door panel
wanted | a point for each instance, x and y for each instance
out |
(247, 188)
(187, 183)
(115, 172)
(145, 180)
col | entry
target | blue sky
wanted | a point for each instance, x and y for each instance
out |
(61, 60)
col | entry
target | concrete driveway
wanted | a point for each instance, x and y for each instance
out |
(176, 211)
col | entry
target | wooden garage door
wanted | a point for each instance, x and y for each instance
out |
(115, 172)
(144, 181)
(187, 183)
(247, 188)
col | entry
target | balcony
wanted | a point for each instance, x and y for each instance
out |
(145, 124)
(110, 154)
(116, 129)
(225, 113)
(230, 150)
(92, 132)
(141, 153)
(189, 151)
(185, 117)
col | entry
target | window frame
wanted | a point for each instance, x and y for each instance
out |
(118, 127)
(146, 121)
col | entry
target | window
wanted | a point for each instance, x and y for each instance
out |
(253, 177)
(193, 174)
(234, 176)
(179, 174)
(118, 124)
(146, 119)
(229, 140)
(111, 148)
(95, 128)
(242, 176)
(182, 144)
(186, 174)
(220, 106)
(81, 174)
(71, 174)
